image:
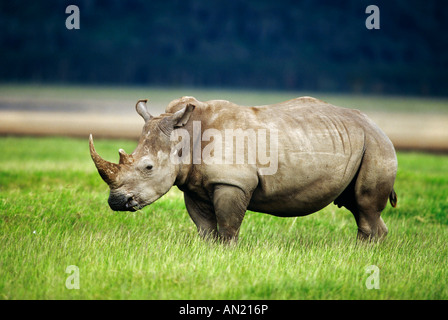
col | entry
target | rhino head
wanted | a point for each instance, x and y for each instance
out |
(142, 177)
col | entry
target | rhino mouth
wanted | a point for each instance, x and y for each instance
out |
(132, 205)
(127, 202)
(128, 208)
(120, 202)
(135, 206)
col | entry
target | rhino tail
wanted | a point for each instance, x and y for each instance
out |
(393, 198)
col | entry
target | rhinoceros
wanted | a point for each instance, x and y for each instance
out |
(317, 154)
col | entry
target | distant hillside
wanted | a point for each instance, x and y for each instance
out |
(294, 45)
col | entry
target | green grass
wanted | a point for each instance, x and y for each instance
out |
(54, 213)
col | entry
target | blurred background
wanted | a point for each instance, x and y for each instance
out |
(250, 52)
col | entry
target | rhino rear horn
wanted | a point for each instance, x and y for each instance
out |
(107, 170)
(124, 157)
(142, 110)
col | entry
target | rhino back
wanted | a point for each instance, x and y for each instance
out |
(320, 150)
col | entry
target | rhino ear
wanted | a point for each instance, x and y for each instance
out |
(177, 120)
(181, 117)
(142, 110)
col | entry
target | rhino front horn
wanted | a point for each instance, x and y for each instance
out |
(107, 170)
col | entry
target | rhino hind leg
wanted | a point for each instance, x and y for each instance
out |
(367, 196)
(370, 224)
(371, 227)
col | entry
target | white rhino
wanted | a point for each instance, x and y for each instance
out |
(318, 153)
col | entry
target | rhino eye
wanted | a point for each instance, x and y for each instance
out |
(149, 167)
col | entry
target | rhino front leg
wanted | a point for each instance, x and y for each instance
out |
(230, 204)
(203, 215)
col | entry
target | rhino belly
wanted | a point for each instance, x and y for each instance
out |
(291, 206)
(309, 185)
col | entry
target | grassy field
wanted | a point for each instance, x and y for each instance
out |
(54, 214)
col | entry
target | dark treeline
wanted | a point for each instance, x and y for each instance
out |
(295, 45)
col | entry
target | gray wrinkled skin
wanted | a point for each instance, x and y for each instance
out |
(325, 154)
